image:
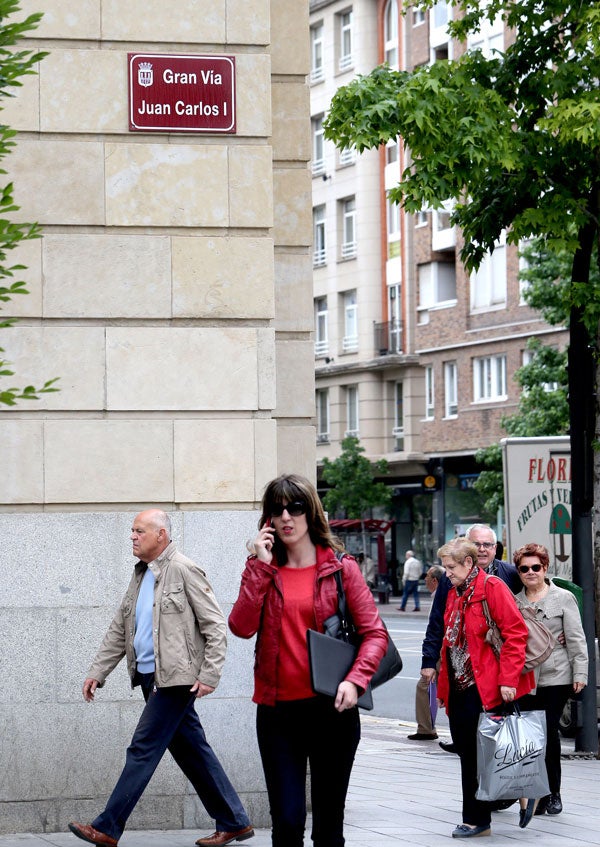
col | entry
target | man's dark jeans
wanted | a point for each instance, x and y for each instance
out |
(169, 720)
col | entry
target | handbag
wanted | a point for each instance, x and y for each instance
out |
(511, 751)
(330, 662)
(540, 641)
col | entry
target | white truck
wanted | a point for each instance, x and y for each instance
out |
(537, 497)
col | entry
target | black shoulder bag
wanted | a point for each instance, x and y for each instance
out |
(331, 654)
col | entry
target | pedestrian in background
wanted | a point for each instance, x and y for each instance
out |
(367, 568)
(471, 677)
(426, 691)
(484, 539)
(289, 586)
(565, 671)
(411, 577)
(170, 627)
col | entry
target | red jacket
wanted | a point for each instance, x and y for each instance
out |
(490, 673)
(259, 608)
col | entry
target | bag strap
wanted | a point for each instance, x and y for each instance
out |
(346, 621)
(486, 609)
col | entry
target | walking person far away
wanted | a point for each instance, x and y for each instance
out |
(411, 576)
(173, 633)
(426, 691)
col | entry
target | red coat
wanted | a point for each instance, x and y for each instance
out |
(259, 609)
(490, 673)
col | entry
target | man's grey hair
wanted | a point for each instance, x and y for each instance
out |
(436, 572)
(481, 526)
(409, 553)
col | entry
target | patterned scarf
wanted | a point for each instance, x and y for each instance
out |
(458, 650)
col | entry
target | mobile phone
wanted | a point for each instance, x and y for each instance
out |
(268, 523)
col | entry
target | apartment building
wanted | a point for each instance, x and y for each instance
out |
(412, 354)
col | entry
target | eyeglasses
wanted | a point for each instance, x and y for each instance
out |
(526, 568)
(295, 509)
(487, 545)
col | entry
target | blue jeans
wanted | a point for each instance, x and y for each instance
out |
(411, 586)
(295, 732)
(169, 721)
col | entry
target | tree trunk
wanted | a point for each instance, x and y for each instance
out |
(582, 406)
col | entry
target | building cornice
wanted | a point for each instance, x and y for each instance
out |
(380, 363)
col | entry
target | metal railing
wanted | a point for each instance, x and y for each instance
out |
(388, 337)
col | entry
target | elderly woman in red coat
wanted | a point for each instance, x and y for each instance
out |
(471, 677)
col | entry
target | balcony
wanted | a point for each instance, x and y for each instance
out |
(388, 337)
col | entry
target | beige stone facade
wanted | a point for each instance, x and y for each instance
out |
(171, 293)
(173, 279)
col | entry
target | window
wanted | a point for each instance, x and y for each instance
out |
(390, 33)
(451, 389)
(316, 50)
(395, 322)
(488, 282)
(348, 209)
(350, 342)
(322, 403)
(418, 16)
(490, 36)
(422, 217)
(429, 393)
(489, 378)
(391, 152)
(352, 411)
(437, 284)
(318, 151)
(347, 156)
(398, 431)
(319, 254)
(527, 358)
(344, 22)
(321, 329)
(439, 15)
(393, 219)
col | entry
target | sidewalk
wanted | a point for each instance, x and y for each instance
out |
(408, 793)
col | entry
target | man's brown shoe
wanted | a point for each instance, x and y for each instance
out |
(87, 832)
(219, 837)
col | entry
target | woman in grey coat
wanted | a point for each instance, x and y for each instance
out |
(565, 671)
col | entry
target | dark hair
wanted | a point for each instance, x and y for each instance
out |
(286, 489)
(532, 549)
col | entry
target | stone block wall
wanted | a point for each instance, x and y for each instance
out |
(171, 292)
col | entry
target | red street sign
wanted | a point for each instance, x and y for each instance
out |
(170, 93)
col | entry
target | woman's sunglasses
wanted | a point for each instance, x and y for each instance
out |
(295, 509)
(534, 568)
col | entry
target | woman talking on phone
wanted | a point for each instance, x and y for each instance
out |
(288, 586)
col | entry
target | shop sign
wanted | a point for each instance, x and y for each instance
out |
(173, 93)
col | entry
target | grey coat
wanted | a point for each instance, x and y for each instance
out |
(568, 662)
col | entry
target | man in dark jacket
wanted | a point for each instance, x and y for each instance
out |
(484, 538)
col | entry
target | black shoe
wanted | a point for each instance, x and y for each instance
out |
(448, 747)
(554, 806)
(422, 736)
(527, 813)
(464, 831)
(542, 805)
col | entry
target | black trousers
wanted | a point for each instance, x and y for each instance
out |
(169, 720)
(290, 735)
(552, 699)
(464, 708)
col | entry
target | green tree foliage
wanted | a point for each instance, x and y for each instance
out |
(514, 139)
(13, 65)
(351, 477)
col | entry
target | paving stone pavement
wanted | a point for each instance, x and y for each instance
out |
(408, 793)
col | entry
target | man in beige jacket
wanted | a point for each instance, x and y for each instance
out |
(173, 633)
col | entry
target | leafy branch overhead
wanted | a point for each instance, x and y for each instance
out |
(13, 65)
(351, 477)
(514, 139)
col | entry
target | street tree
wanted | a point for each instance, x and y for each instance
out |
(353, 489)
(14, 64)
(514, 140)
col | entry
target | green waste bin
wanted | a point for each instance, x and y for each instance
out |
(575, 589)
